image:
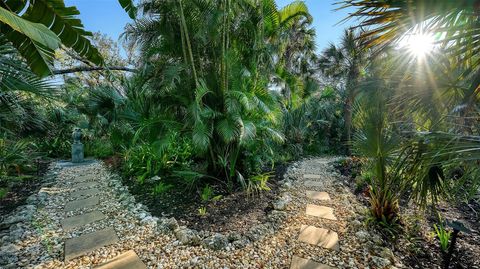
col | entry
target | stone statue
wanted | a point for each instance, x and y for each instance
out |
(77, 146)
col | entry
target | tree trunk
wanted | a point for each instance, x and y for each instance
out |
(347, 118)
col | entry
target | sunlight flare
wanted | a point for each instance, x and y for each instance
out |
(418, 44)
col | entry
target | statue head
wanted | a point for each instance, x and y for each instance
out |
(77, 135)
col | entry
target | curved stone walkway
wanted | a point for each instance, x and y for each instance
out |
(85, 218)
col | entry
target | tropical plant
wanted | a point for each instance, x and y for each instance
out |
(443, 236)
(346, 63)
(435, 104)
(13, 156)
(42, 27)
(216, 83)
(377, 140)
(161, 188)
(315, 126)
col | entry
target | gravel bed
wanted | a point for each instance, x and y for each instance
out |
(37, 241)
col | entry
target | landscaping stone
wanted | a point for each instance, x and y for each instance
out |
(84, 193)
(84, 185)
(311, 176)
(320, 211)
(187, 236)
(318, 195)
(127, 260)
(362, 236)
(80, 220)
(7, 254)
(241, 243)
(282, 202)
(216, 242)
(83, 178)
(81, 245)
(319, 236)
(167, 224)
(380, 262)
(311, 183)
(301, 263)
(258, 232)
(82, 203)
(23, 214)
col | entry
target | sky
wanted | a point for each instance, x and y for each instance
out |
(108, 17)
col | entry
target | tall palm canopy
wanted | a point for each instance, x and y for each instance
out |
(211, 63)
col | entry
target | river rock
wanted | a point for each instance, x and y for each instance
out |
(216, 242)
(258, 232)
(363, 236)
(380, 262)
(167, 224)
(187, 236)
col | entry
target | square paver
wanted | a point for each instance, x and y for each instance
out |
(84, 193)
(84, 185)
(301, 263)
(311, 176)
(81, 220)
(82, 203)
(83, 178)
(79, 246)
(319, 236)
(318, 195)
(320, 211)
(312, 183)
(127, 260)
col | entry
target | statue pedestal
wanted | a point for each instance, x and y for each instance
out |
(77, 152)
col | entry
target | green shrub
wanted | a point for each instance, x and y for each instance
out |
(3, 192)
(443, 236)
(98, 148)
(15, 156)
(161, 188)
(164, 157)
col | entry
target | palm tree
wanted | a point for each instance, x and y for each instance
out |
(437, 100)
(346, 62)
(454, 23)
(209, 64)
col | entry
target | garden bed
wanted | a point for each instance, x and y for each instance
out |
(416, 243)
(19, 190)
(235, 212)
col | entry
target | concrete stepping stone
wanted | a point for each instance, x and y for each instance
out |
(83, 178)
(80, 220)
(318, 195)
(301, 263)
(320, 211)
(127, 260)
(82, 203)
(84, 185)
(311, 176)
(84, 193)
(319, 236)
(79, 246)
(311, 183)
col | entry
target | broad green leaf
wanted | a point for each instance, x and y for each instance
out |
(129, 7)
(35, 31)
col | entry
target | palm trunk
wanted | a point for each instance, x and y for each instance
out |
(187, 40)
(347, 118)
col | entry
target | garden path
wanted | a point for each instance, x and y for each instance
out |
(84, 194)
(310, 234)
(85, 217)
